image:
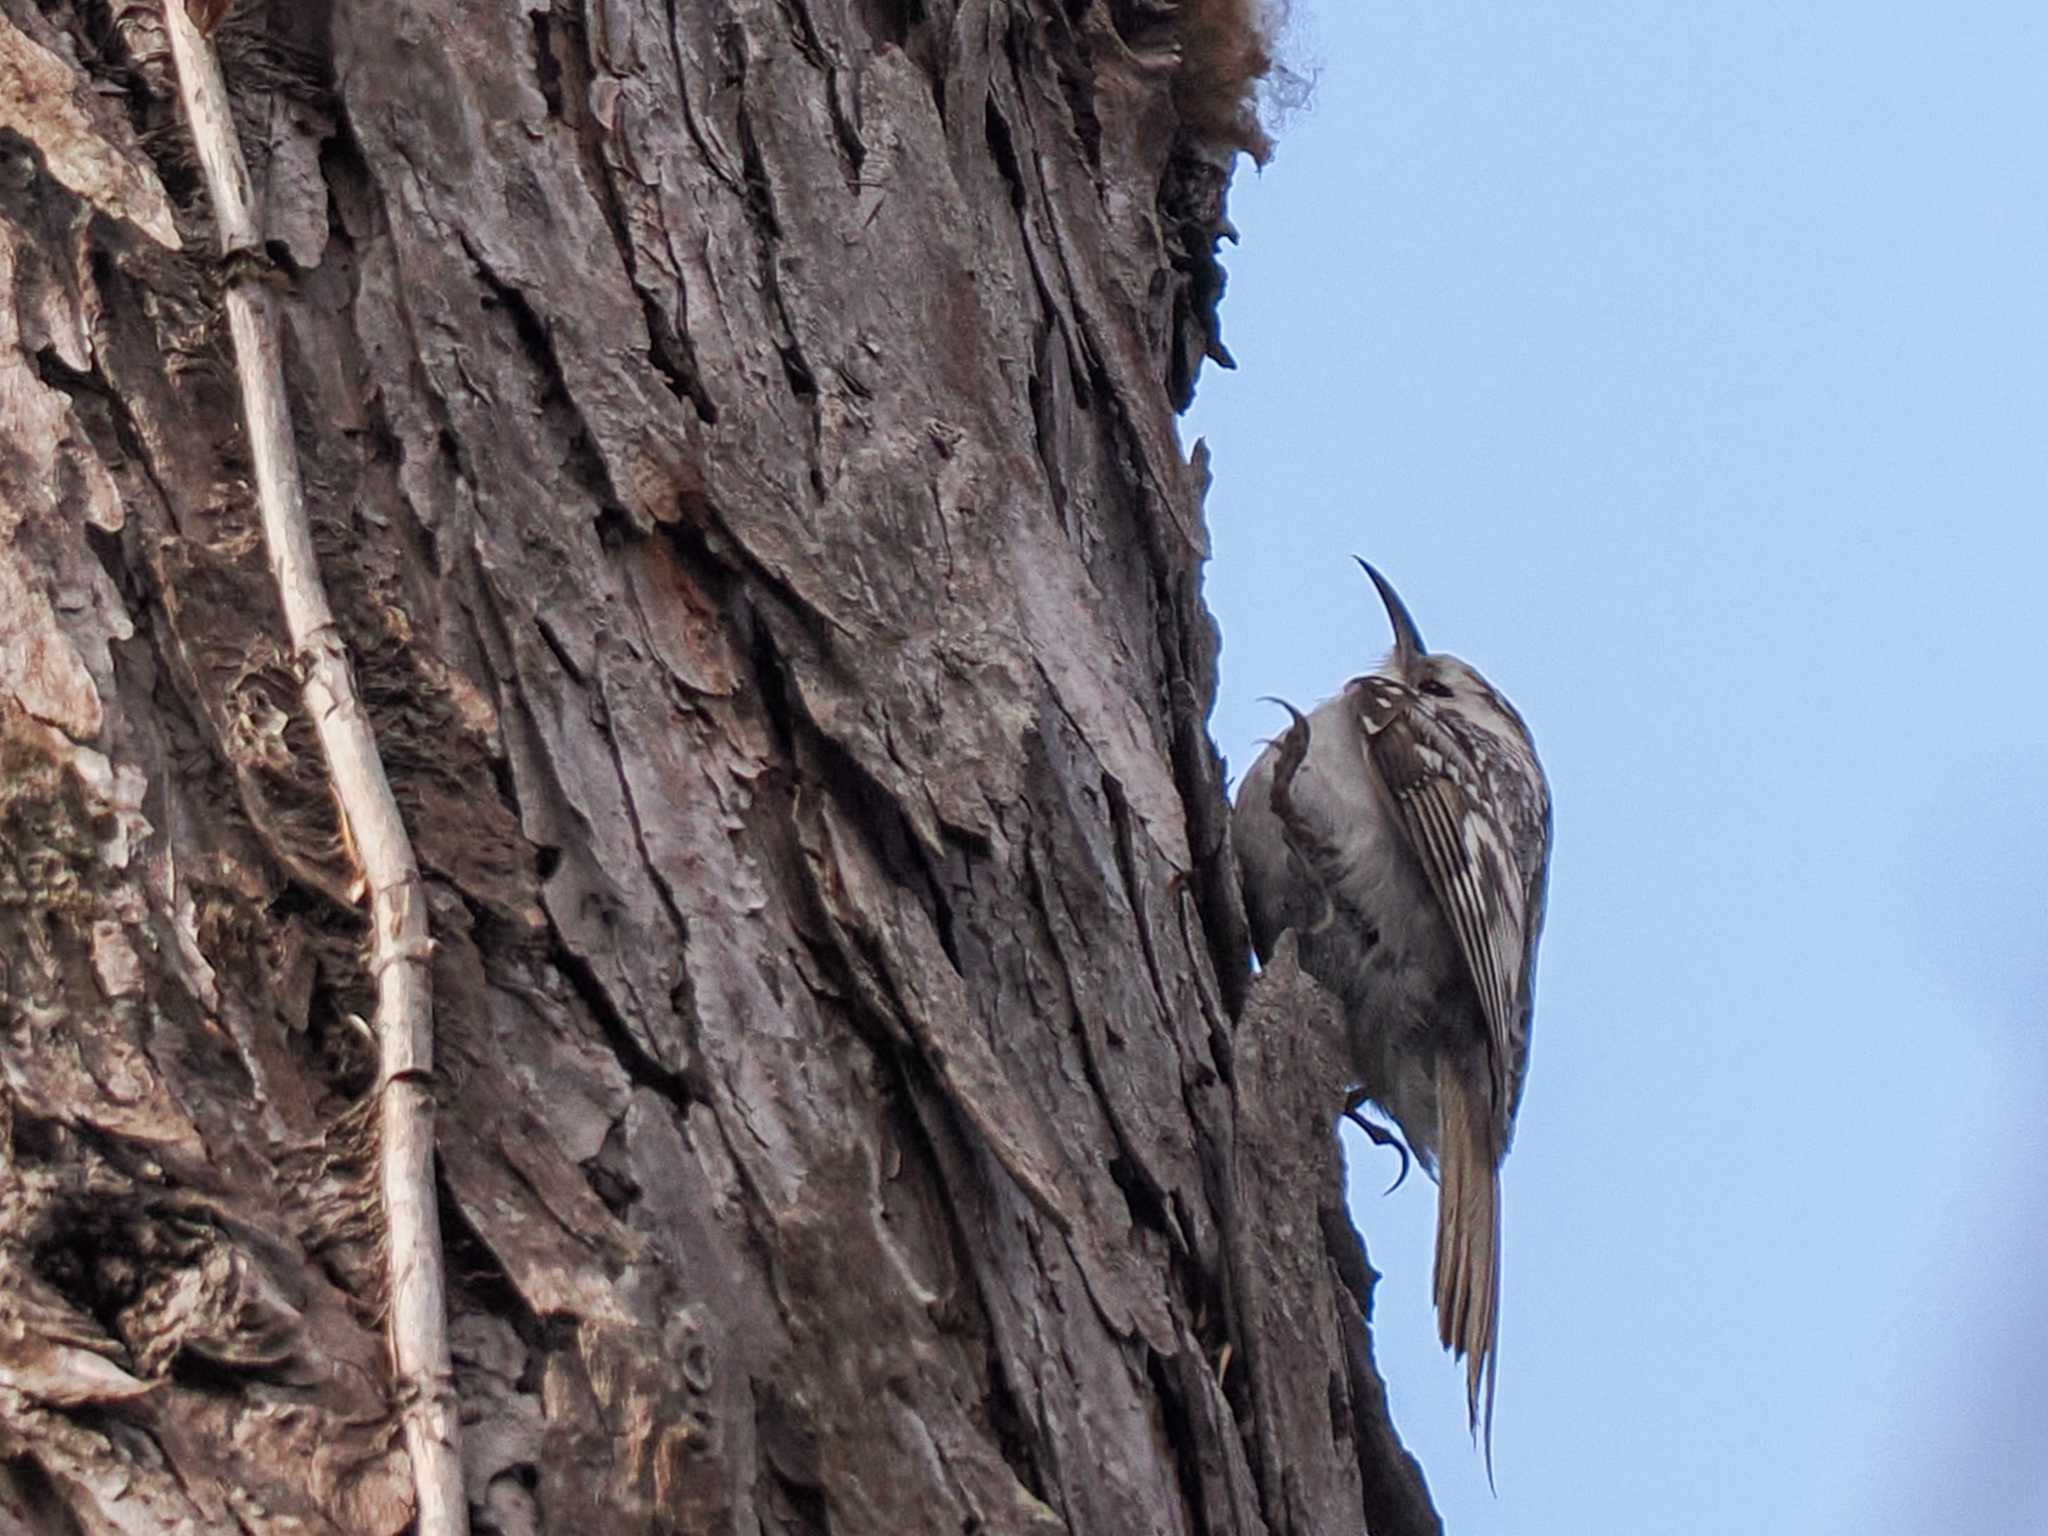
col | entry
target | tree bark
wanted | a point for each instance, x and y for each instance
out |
(739, 439)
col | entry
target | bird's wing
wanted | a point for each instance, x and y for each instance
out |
(1535, 845)
(1476, 814)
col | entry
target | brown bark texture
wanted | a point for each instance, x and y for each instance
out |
(739, 439)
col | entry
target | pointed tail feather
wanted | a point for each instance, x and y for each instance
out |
(1467, 1283)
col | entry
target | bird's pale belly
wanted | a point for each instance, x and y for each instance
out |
(1394, 964)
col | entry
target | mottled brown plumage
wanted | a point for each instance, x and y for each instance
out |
(1403, 831)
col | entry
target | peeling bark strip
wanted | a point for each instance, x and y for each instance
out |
(738, 446)
(371, 821)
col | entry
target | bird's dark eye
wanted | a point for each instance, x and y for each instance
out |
(1435, 689)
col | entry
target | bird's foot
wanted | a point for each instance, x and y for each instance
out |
(1302, 838)
(1379, 1136)
(1293, 751)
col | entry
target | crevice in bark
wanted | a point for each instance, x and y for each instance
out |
(208, 1377)
(1144, 1200)
(804, 35)
(670, 1083)
(549, 65)
(1074, 66)
(715, 156)
(336, 1045)
(97, 404)
(1047, 416)
(1143, 1197)
(826, 762)
(559, 649)
(926, 1115)
(608, 1176)
(1198, 770)
(1184, 1435)
(562, 63)
(264, 63)
(1134, 891)
(889, 23)
(354, 213)
(480, 1278)
(130, 52)
(82, 1253)
(789, 1458)
(797, 371)
(813, 47)
(28, 1490)
(559, 412)
(1004, 149)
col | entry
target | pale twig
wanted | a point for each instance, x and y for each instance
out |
(398, 911)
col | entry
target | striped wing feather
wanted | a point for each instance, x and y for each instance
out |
(1479, 828)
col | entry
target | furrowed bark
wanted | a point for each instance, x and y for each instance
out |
(400, 944)
(737, 440)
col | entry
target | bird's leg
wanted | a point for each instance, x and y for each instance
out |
(1293, 753)
(1379, 1135)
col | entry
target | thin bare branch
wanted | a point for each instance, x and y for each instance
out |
(401, 946)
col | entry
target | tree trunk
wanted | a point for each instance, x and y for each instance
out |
(739, 438)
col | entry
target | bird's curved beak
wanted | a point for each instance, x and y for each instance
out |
(1408, 646)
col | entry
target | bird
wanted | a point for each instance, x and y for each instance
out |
(1402, 830)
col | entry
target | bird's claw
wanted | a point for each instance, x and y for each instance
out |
(1293, 743)
(1294, 740)
(1380, 1136)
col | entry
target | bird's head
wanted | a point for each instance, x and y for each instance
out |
(1442, 678)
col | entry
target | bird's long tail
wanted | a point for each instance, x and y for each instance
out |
(1467, 1285)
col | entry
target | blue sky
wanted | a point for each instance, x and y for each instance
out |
(1687, 370)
